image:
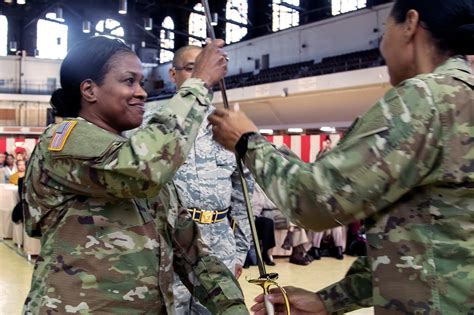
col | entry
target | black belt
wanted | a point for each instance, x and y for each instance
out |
(208, 216)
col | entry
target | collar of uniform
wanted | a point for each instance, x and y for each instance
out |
(122, 135)
(457, 62)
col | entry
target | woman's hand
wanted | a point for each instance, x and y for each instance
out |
(229, 126)
(211, 63)
(302, 302)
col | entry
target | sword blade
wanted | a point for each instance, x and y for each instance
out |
(245, 191)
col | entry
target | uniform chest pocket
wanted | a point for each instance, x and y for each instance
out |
(225, 164)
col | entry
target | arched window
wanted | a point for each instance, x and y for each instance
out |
(236, 10)
(110, 28)
(51, 39)
(197, 25)
(3, 35)
(167, 40)
(284, 16)
(343, 6)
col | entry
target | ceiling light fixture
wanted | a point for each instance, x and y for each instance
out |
(13, 46)
(266, 131)
(148, 23)
(86, 27)
(51, 15)
(59, 14)
(215, 19)
(328, 129)
(295, 130)
(20, 1)
(122, 7)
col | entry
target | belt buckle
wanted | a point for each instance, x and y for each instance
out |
(206, 216)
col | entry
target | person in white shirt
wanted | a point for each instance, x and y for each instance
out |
(9, 167)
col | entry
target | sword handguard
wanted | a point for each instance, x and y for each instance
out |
(266, 282)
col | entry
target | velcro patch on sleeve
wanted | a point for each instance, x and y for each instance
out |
(61, 134)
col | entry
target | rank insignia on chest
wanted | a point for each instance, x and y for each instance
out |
(61, 134)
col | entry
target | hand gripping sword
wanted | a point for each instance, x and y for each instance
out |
(265, 280)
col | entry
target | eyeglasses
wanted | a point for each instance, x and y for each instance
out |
(188, 68)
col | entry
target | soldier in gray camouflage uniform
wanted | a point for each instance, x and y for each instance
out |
(105, 248)
(406, 166)
(209, 181)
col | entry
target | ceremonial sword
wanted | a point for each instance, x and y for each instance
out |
(265, 280)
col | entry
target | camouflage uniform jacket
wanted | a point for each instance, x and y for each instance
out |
(407, 166)
(103, 251)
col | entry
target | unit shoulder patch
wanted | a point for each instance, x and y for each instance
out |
(61, 134)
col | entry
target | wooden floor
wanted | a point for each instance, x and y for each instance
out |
(15, 277)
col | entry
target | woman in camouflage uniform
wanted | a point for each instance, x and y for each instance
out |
(103, 251)
(407, 166)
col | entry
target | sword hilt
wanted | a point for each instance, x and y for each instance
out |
(267, 281)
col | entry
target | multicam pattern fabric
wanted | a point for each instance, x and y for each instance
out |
(104, 251)
(218, 293)
(407, 166)
(209, 180)
(353, 292)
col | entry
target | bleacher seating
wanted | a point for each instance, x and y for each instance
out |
(340, 63)
(346, 62)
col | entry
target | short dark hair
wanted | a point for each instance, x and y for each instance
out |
(89, 59)
(450, 22)
(6, 158)
(180, 52)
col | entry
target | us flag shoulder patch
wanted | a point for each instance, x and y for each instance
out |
(61, 134)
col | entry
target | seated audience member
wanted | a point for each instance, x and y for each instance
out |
(338, 239)
(268, 218)
(326, 147)
(337, 233)
(21, 156)
(297, 240)
(20, 173)
(9, 167)
(17, 213)
(356, 243)
(3, 156)
(265, 226)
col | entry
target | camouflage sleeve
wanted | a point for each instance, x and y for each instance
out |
(352, 292)
(206, 277)
(239, 214)
(140, 166)
(388, 151)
